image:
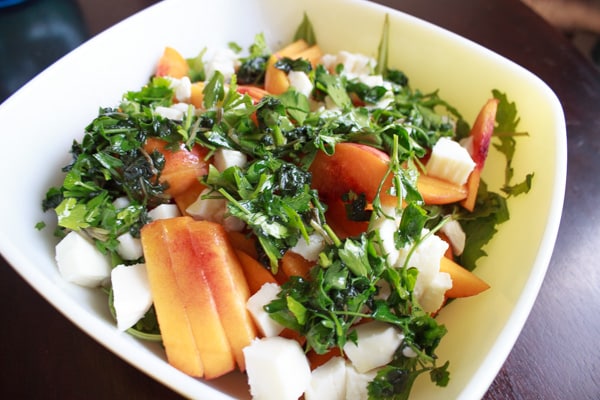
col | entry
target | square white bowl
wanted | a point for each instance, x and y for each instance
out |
(39, 123)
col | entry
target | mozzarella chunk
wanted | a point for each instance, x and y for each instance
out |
(225, 158)
(169, 112)
(121, 202)
(132, 297)
(129, 248)
(375, 346)
(277, 369)
(429, 288)
(456, 235)
(387, 227)
(208, 209)
(80, 262)
(224, 60)
(432, 298)
(355, 64)
(164, 211)
(255, 305)
(214, 209)
(310, 251)
(328, 381)
(357, 382)
(301, 82)
(450, 161)
(182, 88)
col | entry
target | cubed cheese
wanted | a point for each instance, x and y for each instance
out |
(170, 113)
(265, 324)
(130, 248)
(387, 225)
(310, 251)
(225, 158)
(80, 262)
(328, 381)
(164, 211)
(432, 297)
(132, 297)
(456, 236)
(357, 383)
(121, 202)
(224, 60)
(277, 369)
(355, 64)
(429, 288)
(301, 82)
(211, 208)
(182, 88)
(450, 161)
(375, 346)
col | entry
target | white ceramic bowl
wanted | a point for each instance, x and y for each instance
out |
(40, 121)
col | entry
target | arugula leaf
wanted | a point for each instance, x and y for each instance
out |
(505, 131)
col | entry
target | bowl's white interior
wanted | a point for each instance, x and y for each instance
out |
(39, 123)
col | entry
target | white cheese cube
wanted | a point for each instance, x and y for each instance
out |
(169, 113)
(164, 211)
(121, 202)
(130, 248)
(277, 369)
(426, 258)
(355, 64)
(208, 209)
(357, 383)
(265, 324)
(432, 297)
(387, 225)
(233, 224)
(456, 236)
(80, 262)
(182, 88)
(225, 158)
(224, 60)
(371, 80)
(375, 347)
(310, 251)
(450, 161)
(301, 82)
(328, 381)
(132, 297)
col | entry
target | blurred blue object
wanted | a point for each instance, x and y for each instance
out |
(8, 3)
(33, 35)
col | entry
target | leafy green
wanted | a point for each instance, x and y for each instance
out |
(305, 31)
(506, 129)
(252, 68)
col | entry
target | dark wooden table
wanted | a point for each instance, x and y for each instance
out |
(557, 356)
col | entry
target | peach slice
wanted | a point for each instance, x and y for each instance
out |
(172, 64)
(227, 282)
(481, 136)
(199, 301)
(256, 274)
(177, 336)
(464, 282)
(182, 167)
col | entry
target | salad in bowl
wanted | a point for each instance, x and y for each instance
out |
(297, 216)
